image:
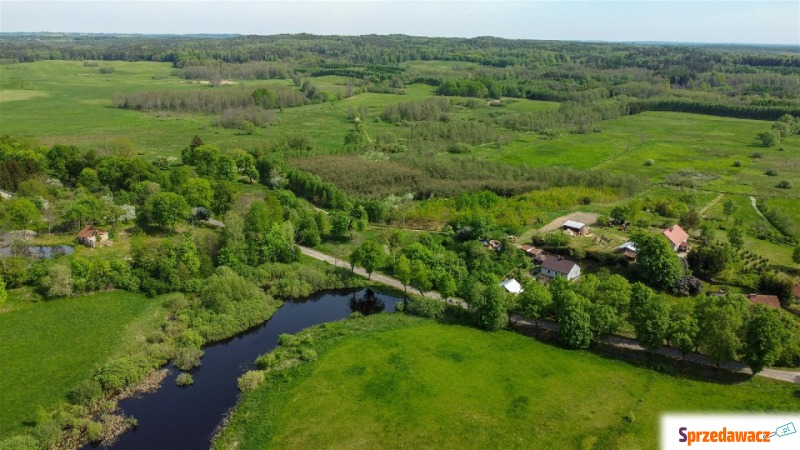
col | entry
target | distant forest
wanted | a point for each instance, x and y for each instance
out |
(758, 82)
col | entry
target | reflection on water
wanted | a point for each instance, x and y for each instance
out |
(175, 418)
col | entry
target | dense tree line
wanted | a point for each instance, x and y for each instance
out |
(211, 100)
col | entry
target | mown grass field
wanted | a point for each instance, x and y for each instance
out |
(49, 347)
(417, 384)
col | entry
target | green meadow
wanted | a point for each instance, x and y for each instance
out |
(49, 347)
(415, 383)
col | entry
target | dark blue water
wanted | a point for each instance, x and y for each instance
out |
(176, 418)
(48, 251)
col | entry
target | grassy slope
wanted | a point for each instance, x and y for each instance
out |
(426, 385)
(49, 347)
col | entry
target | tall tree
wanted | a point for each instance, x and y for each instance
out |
(574, 321)
(649, 316)
(536, 301)
(166, 209)
(736, 238)
(370, 255)
(402, 270)
(488, 309)
(729, 208)
(763, 338)
(658, 263)
(421, 276)
(720, 320)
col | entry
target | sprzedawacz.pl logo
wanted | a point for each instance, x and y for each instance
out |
(732, 432)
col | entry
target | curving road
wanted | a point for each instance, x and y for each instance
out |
(617, 341)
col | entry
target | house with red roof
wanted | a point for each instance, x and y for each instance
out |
(91, 236)
(796, 291)
(677, 237)
(768, 300)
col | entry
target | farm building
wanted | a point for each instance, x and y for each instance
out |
(91, 236)
(556, 266)
(796, 291)
(579, 228)
(769, 300)
(536, 253)
(628, 249)
(511, 285)
(677, 237)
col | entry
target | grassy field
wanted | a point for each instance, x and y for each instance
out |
(49, 347)
(418, 384)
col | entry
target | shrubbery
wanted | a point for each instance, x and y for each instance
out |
(425, 307)
(119, 374)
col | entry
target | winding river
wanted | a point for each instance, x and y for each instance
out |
(176, 418)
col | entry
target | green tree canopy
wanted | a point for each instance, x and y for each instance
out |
(649, 316)
(658, 263)
(763, 338)
(166, 209)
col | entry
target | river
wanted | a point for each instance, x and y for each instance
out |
(177, 418)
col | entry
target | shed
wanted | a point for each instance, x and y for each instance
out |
(579, 228)
(512, 285)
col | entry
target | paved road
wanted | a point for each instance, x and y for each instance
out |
(617, 341)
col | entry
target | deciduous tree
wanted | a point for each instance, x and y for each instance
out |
(658, 263)
(763, 338)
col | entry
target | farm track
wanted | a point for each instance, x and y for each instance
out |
(617, 341)
(711, 203)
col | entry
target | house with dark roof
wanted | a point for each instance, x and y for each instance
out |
(557, 266)
(91, 236)
(768, 300)
(677, 237)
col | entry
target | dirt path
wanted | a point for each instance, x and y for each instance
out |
(584, 217)
(380, 278)
(755, 206)
(617, 341)
(711, 203)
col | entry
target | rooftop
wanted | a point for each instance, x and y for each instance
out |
(559, 264)
(768, 300)
(575, 225)
(675, 234)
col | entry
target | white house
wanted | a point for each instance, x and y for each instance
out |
(512, 286)
(555, 266)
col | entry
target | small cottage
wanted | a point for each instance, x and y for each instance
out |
(628, 250)
(91, 236)
(579, 228)
(511, 285)
(677, 237)
(557, 266)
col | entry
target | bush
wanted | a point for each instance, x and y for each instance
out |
(106, 70)
(187, 358)
(94, 431)
(784, 185)
(184, 379)
(85, 393)
(190, 338)
(459, 148)
(649, 162)
(771, 173)
(118, 374)
(250, 380)
(426, 307)
(756, 155)
(23, 442)
(737, 163)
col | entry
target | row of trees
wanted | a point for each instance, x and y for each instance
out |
(724, 328)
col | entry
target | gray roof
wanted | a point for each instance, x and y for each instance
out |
(558, 264)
